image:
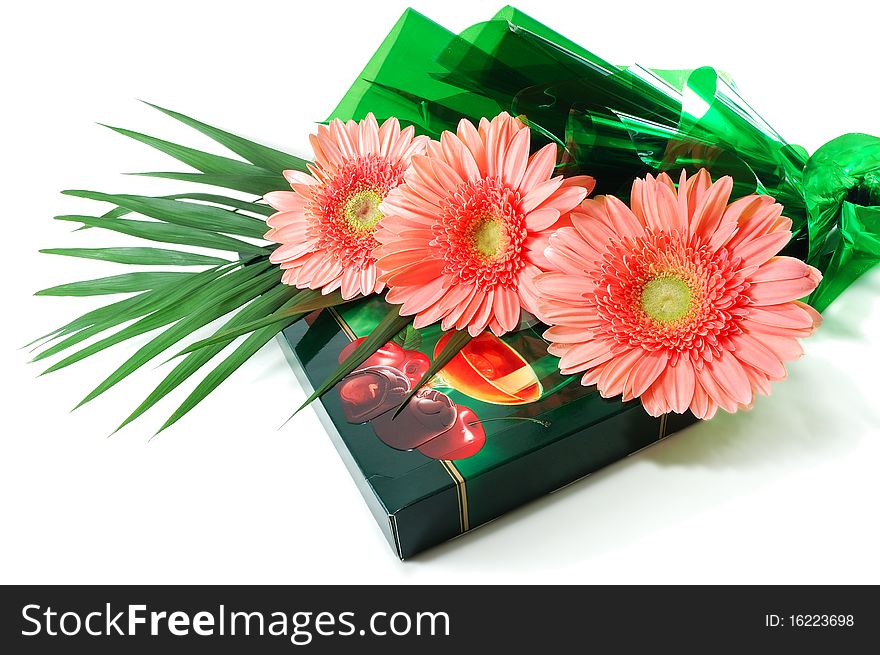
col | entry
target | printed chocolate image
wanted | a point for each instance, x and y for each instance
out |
(430, 422)
(429, 414)
(371, 391)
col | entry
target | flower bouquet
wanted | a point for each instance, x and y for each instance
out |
(506, 264)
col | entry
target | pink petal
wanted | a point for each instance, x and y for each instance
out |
(285, 201)
(291, 251)
(528, 292)
(754, 353)
(616, 371)
(679, 383)
(702, 405)
(539, 193)
(757, 251)
(541, 219)
(593, 229)
(795, 315)
(481, 318)
(471, 139)
(694, 189)
(779, 268)
(539, 169)
(715, 391)
(584, 355)
(388, 134)
(569, 252)
(516, 158)
(298, 177)
(708, 214)
(644, 373)
(506, 308)
(459, 157)
(587, 182)
(728, 372)
(565, 198)
(779, 291)
(368, 136)
(564, 286)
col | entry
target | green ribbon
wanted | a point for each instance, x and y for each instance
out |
(617, 123)
(842, 189)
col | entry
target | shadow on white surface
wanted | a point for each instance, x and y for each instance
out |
(819, 414)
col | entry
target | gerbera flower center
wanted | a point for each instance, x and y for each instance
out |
(480, 233)
(345, 210)
(487, 237)
(669, 291)
(362, 210)
(666, 298)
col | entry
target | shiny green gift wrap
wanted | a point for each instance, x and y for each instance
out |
(617, 123)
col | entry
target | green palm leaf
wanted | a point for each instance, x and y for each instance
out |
(179, 212)
(178, 303)
(168, 233)
(251, 176)
(266, 304)
(307, 302)
(228, 366)
(259, 155)
(220, 305)
(256, 184)
(142, 256)
(185, 298)
(125, 283)
(103, 318)
(243, 205)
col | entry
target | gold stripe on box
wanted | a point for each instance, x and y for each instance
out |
(461, 490)
(662, 426)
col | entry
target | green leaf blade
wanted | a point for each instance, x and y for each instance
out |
(182, 213)
(139, 256)
(256, 184)
(257, 154)
(176, 302)
(168, 233)
(306, 302)
(125, 283)
(219, 305)
(239, 356)
(268, 303)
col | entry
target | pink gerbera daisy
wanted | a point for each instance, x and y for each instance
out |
(464, 235)
(326, 225)
(680, 301)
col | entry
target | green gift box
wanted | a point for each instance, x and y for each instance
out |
(498, 427)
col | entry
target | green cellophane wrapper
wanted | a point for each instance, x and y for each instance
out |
(618, 123)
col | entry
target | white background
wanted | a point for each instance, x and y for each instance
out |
(785, 493)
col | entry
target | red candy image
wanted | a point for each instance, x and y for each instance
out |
(372, 391)
(429, 414)
(430, 422)
(388, 355)
(415, 365)
(465, 438)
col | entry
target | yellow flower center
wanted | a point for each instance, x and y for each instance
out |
(487, 237)
(361, 211)
(666, 298)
